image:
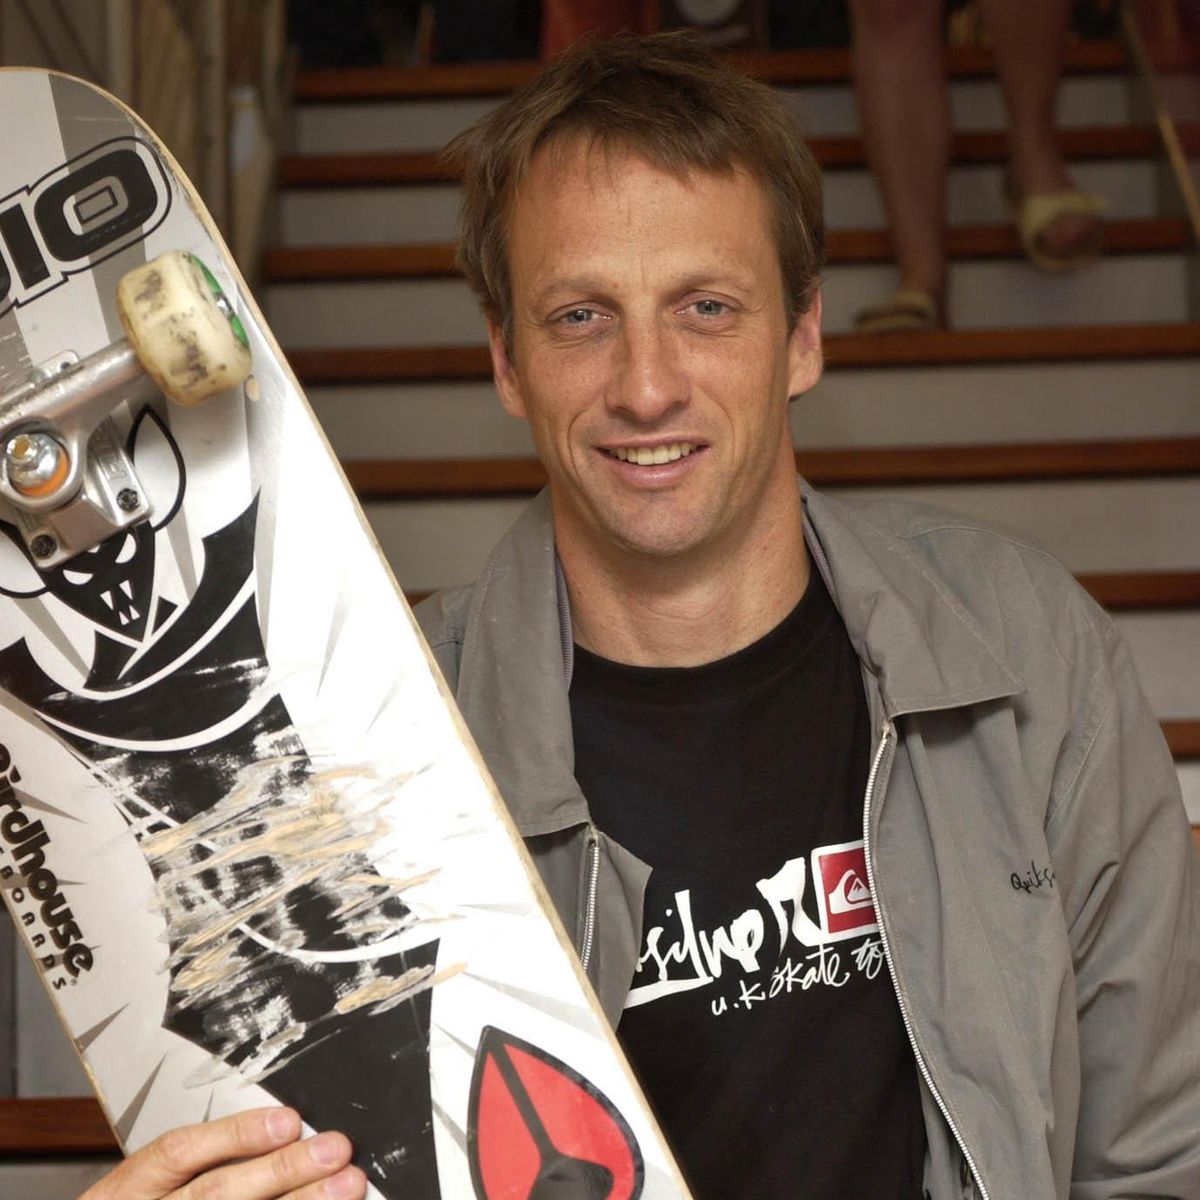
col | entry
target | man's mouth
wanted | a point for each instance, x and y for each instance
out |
(653, 456)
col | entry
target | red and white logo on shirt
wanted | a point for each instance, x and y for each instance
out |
(774, 946)
(843, 894)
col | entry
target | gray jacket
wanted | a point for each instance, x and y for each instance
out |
(1037, 890)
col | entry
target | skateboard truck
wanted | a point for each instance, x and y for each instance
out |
(64, 470)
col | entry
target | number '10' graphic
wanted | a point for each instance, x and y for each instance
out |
(78, 215)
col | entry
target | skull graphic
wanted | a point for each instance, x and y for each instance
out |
(112, 583)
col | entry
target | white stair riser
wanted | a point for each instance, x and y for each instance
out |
(47, 1064)
(976, 104)
(983, 295)
(380, 125)
(1181, 95)
(367, 216)
(1166, 649)
(415, 312)
(419, 421)
(1131, 188)
(1189, 784)
(1093, 525)
(1002, 294)
(428, 213)
(942, 406)
(39, 1181)
(1032, 403)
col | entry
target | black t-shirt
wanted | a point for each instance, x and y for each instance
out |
(766, 1033)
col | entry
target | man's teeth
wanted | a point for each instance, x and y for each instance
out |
(653, 456)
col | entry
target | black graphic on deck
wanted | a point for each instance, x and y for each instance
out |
(538, 1130)
(77, 216)
(177, 709)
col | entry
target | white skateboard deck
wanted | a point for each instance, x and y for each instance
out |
(242, 829)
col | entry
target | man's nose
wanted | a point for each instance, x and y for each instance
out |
(649, 380)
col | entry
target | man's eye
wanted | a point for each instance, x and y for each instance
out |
(710, 308)
(577, 316)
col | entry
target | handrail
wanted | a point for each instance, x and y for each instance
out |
(1168, 131)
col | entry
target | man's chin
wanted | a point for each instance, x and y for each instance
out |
(652, 532)
(659, 542)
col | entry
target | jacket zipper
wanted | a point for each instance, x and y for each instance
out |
(888, 733)
(589, 911)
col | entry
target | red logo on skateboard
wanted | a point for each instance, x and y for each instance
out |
(538, 1130)
(843, 893)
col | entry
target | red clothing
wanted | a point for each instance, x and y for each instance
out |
(564, 22)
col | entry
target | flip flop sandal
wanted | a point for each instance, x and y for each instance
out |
(906, 311)
(1034, 214)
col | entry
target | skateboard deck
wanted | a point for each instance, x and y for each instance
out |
(243, 831)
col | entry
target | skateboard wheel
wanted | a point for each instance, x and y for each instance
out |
(183, 328)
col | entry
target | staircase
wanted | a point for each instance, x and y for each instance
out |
(1068, 408)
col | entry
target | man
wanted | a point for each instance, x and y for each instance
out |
(856, 812)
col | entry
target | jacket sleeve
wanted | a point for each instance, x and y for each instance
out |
(1130, 885)
(440, 618)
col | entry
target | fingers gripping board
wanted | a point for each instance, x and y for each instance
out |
(243, 831)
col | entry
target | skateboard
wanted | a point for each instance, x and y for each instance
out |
(243, 832)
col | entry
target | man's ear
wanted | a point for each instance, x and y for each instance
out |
(505, 375)
(804, 349)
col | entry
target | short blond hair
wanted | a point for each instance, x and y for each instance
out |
(666, 98)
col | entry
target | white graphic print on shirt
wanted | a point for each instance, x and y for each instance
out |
(679, 957)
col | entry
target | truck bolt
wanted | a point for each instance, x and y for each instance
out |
(36, 464)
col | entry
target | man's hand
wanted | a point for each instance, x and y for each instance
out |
(252, 1155)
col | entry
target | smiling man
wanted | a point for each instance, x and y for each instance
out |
(780, 758)
(653, 353)
(858, 817)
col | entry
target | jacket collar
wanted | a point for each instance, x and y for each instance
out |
(923, 647)
(515, 671)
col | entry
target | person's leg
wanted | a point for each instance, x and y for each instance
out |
(900, 84)
(1029, 38)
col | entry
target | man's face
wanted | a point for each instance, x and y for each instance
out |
(651, 353)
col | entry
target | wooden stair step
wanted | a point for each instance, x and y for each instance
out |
(1133, 591)
(313, 263)
(1183, 737)
(383, 168)
(52, 1127)
(978, 346)
(412, 364)
(1091, 143)
(782, 67)
(393, 478)
(1124, 591)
